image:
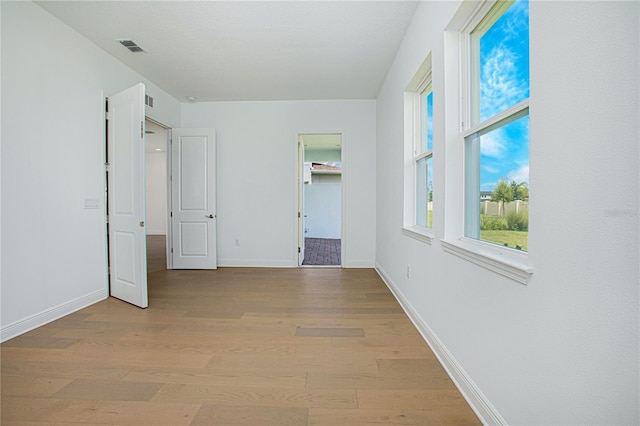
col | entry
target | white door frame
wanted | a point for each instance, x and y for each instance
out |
(299, 187)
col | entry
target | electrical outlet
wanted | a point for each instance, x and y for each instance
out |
(237, 241)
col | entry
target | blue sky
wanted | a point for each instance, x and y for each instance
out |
(504, 81)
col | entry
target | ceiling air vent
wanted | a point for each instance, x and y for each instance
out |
(129, 44)
(148, 101)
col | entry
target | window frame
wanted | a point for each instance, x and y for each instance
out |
(508, 262)
(415, 95)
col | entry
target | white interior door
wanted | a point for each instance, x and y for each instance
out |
(193, 198)
(126, 171)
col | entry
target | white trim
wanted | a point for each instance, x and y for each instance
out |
(358, 264)
(506, 262)
(257, 263)
(38, 320)
(419, 233)
(513, 113)
(478, 402)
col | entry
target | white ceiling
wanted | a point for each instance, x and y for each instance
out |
(249, 50)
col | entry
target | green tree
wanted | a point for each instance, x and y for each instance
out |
(502, 193)
(520, 190)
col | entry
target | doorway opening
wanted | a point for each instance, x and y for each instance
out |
(156, 172)
(320, 199)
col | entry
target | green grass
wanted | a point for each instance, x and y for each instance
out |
(511, 238)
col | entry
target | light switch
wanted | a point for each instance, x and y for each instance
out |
(91, 203)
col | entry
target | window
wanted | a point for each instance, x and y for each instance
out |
(496, 138)
(423, 160)
(418, 220)
(487, 136)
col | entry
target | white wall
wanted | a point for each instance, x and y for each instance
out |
(257, 173)
(53, 249)
(156, 212)
(564, 348)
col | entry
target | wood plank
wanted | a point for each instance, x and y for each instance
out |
(109, 390)
(270, 397)
(332, 417)
(404, 399)
(217, 378)
(71, 370)
(88, 355)
(329, 332)
(51, 411)
(28, 341)
(32, 386)
(376, 381)
(250, 416)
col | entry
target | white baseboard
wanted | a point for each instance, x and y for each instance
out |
(20, 327)
(253, 263)
(357, 264)
(479, 403)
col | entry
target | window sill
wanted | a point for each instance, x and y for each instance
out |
(419, 233)
(505, 262)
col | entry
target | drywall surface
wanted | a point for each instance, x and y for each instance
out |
(156, 208)
(562, 349)
(53, 174)
(257, 176)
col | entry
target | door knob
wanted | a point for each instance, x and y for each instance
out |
(211, 216)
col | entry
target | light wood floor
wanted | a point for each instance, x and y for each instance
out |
(236, 346)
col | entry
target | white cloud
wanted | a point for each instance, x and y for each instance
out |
(501, 88)
(519, 18)
(519, 175)
(491, 145)
(489, 169)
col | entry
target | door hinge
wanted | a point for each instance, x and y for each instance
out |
(299, 250)
(171, 249)
(107, 166)
(171, 213)
(142, 130)
(298, 215)
(107, 116)
(142, 224)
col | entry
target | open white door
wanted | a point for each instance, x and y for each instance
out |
(126, 170)
(193, 198)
